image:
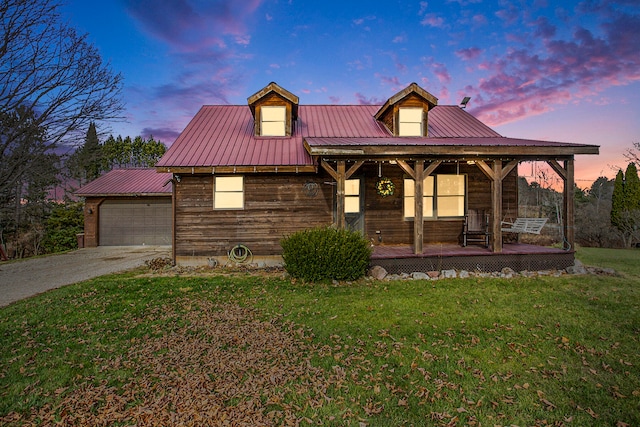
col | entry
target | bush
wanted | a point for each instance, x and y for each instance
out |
(62, 226)
(326, 253)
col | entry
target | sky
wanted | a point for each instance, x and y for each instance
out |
(543, 69)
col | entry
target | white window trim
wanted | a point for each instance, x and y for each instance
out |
(218, 194)
(434, 198)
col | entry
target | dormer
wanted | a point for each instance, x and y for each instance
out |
(406, 113)
(274, 111)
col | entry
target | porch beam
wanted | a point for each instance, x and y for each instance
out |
(496, 204)
(410, 171)
(431, 168)
(326, 166)
(354, 168)
(562, 172)
(407, 169)
(485, 169)
(418, 219)
(508, 168)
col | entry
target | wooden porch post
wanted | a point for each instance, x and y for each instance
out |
(340, 191)
(496, 175)
(569, 220)
(340, 176)
(568, 209)
(418, 223)
(496, 206)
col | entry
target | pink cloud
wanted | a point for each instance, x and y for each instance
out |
(432, 20)
(187, 24)
(469, 54)
(441, 72)
(525, 82)
(363, 100)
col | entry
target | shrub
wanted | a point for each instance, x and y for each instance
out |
(326, 253)
(62, 226)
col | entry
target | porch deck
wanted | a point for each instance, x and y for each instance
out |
(518, 256)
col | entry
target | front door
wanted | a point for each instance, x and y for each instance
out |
(354, 204)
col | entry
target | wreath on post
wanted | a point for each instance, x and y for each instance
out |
(385, 187)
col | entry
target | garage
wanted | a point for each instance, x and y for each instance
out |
(128, 207)
(139, 222)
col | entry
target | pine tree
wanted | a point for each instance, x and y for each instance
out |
(617, 200)
(86, 163)
(631, 188)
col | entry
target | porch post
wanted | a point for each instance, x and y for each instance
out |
(496, 205)
(568, 212)
(340, 190)
(569, 220)
(418, 223)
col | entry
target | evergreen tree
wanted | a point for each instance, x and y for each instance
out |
(631, 188)
(127, 153)
(86, 164)
(617, 200)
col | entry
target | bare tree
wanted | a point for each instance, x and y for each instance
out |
(633, 154)
(49, 70)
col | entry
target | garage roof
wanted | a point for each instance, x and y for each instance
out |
(128, 182)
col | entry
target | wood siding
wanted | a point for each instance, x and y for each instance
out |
(275, 205)
(386, 215)
(278, 204)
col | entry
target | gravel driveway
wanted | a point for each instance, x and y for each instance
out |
(25, 278)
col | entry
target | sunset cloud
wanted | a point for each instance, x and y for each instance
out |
(526, 82)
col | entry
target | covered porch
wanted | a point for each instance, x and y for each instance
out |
(398, 259)
(495, 160)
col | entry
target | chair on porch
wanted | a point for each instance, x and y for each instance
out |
(476, 228)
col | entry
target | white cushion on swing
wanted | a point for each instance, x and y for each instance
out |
(524, 225)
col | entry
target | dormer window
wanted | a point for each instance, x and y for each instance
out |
(273, 120)
(274, 110)
(406, 113)
(410, 122)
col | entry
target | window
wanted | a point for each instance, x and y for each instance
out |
(410, 122)
(410, 199)
(450, 190)
(443, 196)
(273, 120)
(352, 196)
(228, 192)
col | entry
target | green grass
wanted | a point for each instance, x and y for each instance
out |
(540, 351)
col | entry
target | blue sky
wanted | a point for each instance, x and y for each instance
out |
(543, 69)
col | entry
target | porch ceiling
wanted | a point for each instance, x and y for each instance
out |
(443, 147)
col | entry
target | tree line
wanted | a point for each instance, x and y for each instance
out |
(54, 87)
(94, 158)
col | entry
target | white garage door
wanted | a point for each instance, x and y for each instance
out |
(135, 222)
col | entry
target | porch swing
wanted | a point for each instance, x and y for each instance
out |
(523, 225)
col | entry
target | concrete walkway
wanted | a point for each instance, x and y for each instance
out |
(28, 277)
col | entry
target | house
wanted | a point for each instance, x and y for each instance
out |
(404, 173)
(128, 207)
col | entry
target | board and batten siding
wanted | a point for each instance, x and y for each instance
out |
(274, 206)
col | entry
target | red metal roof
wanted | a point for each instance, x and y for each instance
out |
(128, 182)
(223, 135)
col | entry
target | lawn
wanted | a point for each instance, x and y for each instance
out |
(236, 348)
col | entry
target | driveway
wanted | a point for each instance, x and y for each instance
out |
(25, 278)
